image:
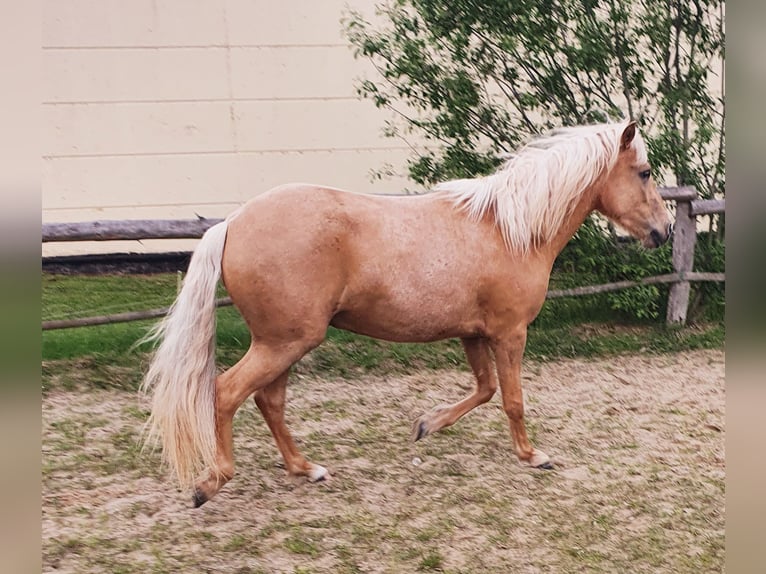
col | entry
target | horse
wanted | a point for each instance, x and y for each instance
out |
(470, 259)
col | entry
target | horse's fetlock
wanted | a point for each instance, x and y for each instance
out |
(228, 473)
(224, 473)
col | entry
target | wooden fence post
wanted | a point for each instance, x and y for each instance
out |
(684, 240)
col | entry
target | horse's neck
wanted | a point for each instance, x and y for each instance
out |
(583, 208)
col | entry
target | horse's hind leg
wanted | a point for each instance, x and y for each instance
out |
(479, 357)
(271, 402)
(259, 367)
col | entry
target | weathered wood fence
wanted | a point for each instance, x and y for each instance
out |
(688, 207)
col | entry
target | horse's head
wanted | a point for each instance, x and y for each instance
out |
(629, 195)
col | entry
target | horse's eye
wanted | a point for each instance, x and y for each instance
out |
(645, 174)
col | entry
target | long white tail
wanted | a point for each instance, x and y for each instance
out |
(181, 377)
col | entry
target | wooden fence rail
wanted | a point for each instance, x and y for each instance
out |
(688, 207)
(110, 230)
(117, 317)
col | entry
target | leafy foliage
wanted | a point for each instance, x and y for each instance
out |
(471, 80)
(708, 300)
(594, 257)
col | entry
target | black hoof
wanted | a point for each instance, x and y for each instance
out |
(321, 478)
(199, 498)
(546, 465)
(421, 431)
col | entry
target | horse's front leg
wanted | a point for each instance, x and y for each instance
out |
(479, 357)
(508, 354)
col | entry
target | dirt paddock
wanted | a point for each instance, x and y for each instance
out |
(638, 444)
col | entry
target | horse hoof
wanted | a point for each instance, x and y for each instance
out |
(199, 498)
(420, 431)
(545, 466)
(318, 474)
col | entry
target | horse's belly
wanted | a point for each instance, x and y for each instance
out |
(406, 326)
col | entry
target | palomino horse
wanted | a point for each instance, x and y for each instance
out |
(471, 260)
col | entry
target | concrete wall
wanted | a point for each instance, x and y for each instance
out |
(171, 108)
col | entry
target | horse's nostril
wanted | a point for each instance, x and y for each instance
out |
(656, 237)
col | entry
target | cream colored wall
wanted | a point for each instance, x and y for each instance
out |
(171, 108)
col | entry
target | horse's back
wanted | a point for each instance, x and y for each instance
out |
(316, 226)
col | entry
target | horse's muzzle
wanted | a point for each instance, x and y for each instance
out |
(660, 238)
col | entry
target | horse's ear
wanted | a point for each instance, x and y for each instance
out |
(627, 136)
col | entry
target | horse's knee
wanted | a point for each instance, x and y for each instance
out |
(262, 400)
(486, 393)
(514, 410)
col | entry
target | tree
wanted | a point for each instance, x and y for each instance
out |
(475, 78)
(470, 80)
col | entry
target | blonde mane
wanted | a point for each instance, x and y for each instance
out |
(535, 191)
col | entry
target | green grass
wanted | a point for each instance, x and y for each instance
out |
(569, 327)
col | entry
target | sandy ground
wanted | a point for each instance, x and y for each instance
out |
(638, 444)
